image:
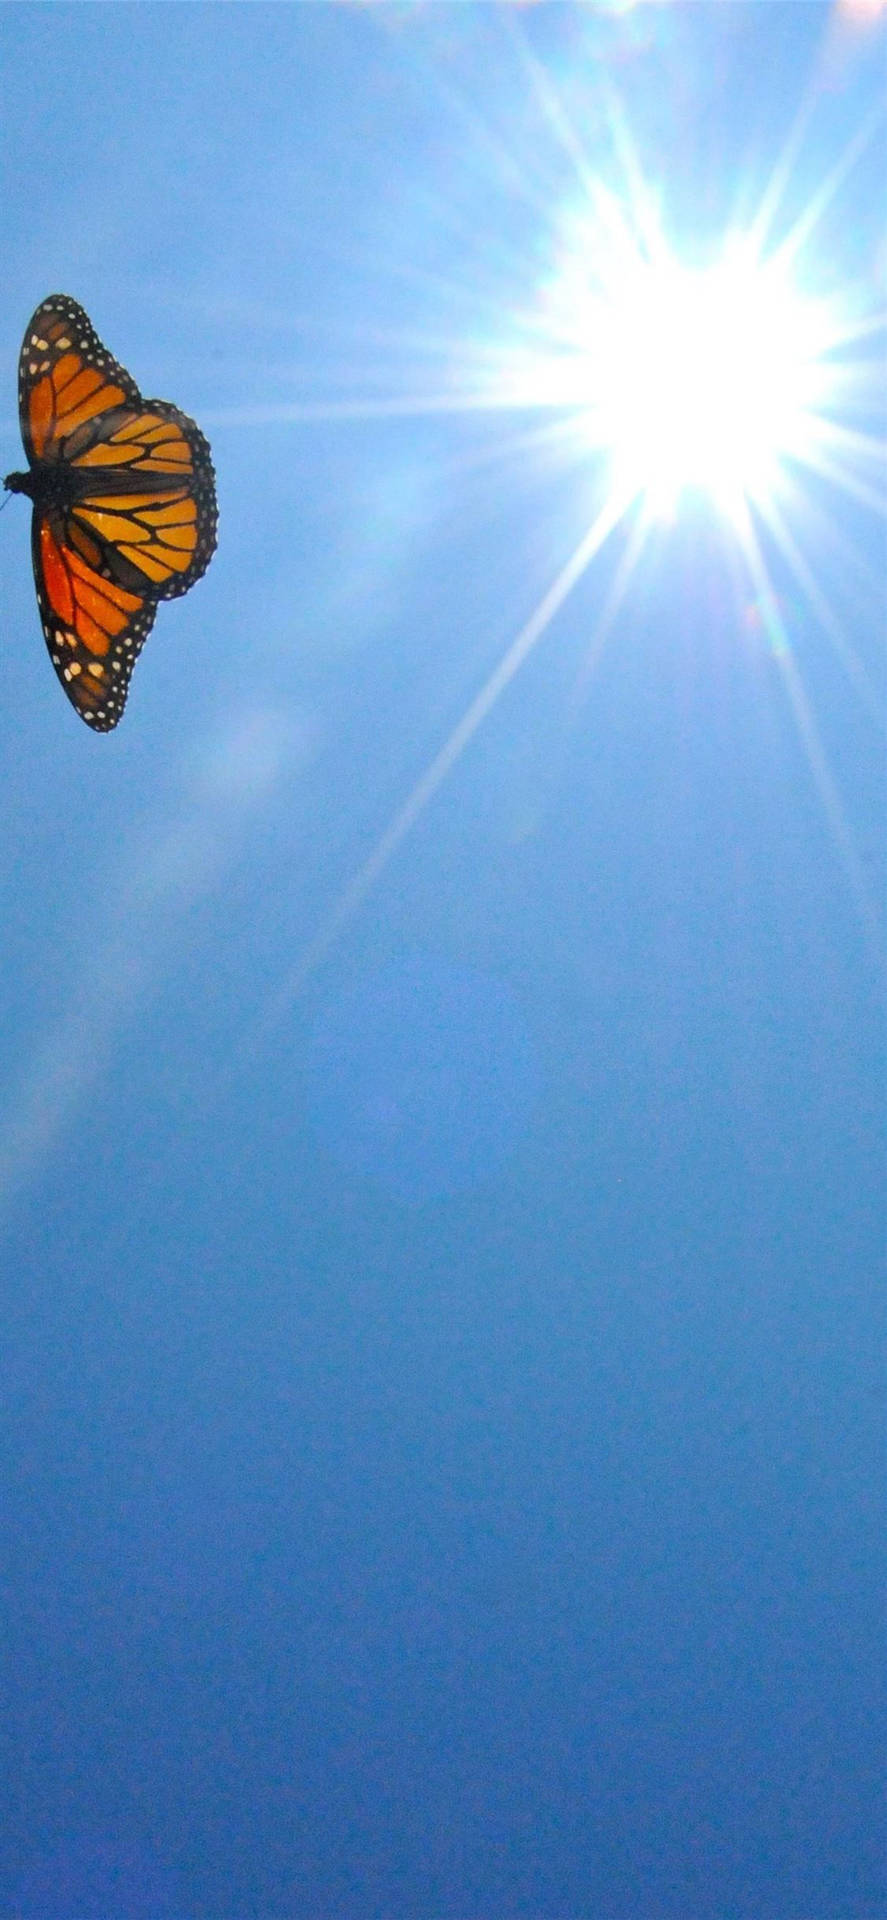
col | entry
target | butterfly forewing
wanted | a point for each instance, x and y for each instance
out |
(124, 505)
(63, 367)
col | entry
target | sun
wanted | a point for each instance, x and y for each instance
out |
(703, 378)
(660, 368)
(709, 378)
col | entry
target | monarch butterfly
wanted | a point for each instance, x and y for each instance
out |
(124, 505)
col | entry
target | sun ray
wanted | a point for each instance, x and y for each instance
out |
(736, 380)
(808, 733)
(405, 407)
(829, 794)
(829, 186)
(477, 711)
(804, 577)
(840, 473)
(552, 106)
(638, 536)
(777, 186)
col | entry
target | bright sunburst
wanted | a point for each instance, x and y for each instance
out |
(713, 378)
(707, 378)
(730, 375)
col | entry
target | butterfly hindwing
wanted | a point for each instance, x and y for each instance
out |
(94, 627)
(124, 505)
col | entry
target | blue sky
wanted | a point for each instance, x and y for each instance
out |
(441, 1119)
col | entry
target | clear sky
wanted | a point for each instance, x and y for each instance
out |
(441, 1123)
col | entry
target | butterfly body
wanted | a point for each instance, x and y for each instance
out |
(124, 507)
(46, 483)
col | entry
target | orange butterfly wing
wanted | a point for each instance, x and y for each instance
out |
(124, 506)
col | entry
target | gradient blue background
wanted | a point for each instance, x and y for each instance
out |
(442, 1407)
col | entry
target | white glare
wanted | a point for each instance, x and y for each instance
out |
(663, 377)
(704, 379)
(710, 378)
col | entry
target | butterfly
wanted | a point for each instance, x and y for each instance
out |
(124, 502)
